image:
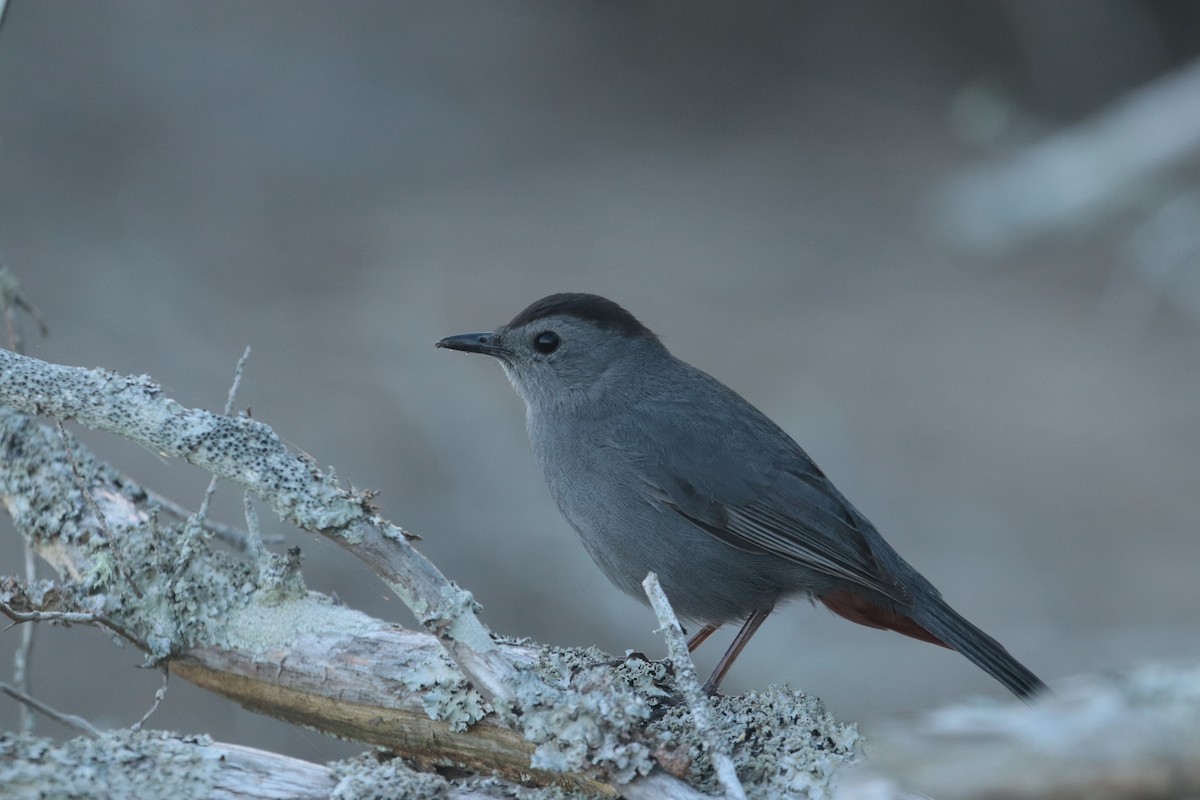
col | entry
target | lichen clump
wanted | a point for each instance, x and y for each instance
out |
(582, 716)
(627, 717)
(445, 694)
(371, 775)
(783, 742)
(117, 763)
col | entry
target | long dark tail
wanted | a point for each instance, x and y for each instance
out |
(935, 621)
(985, 652)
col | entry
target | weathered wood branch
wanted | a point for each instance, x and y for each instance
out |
(310, 662)
(296, 656)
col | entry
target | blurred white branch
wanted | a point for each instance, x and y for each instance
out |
(1157, 262)
(1081, 173)
(1128, 737)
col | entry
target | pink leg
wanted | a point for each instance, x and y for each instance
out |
(701, 635)
(752, 623)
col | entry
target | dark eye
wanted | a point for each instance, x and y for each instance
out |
(546, 342)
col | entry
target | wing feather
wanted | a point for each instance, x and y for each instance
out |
(777, 502)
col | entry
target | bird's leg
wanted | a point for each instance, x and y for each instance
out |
(752, 623)
(701, 635)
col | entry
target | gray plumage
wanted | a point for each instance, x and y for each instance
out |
(660, 467)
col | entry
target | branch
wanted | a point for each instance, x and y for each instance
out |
(308, 661)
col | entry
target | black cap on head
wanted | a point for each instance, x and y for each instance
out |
(590, 307)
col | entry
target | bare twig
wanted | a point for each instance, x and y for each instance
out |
(10, 298)
(226, 533)
(688, 682)
(197, 519)
(159, 694)
(237, 381)
(70, 720)
(69, 618)
(21, 658)
(254, 541)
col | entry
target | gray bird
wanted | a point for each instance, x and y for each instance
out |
(660, 467)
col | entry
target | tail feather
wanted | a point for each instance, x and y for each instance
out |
(985, 652)
(936, 622)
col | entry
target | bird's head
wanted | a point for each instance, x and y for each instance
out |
(566, 349)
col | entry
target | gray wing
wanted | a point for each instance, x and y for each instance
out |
(750, 485)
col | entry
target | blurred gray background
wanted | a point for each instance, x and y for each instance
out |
(338, 185)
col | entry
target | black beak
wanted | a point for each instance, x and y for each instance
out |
(486, 343)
